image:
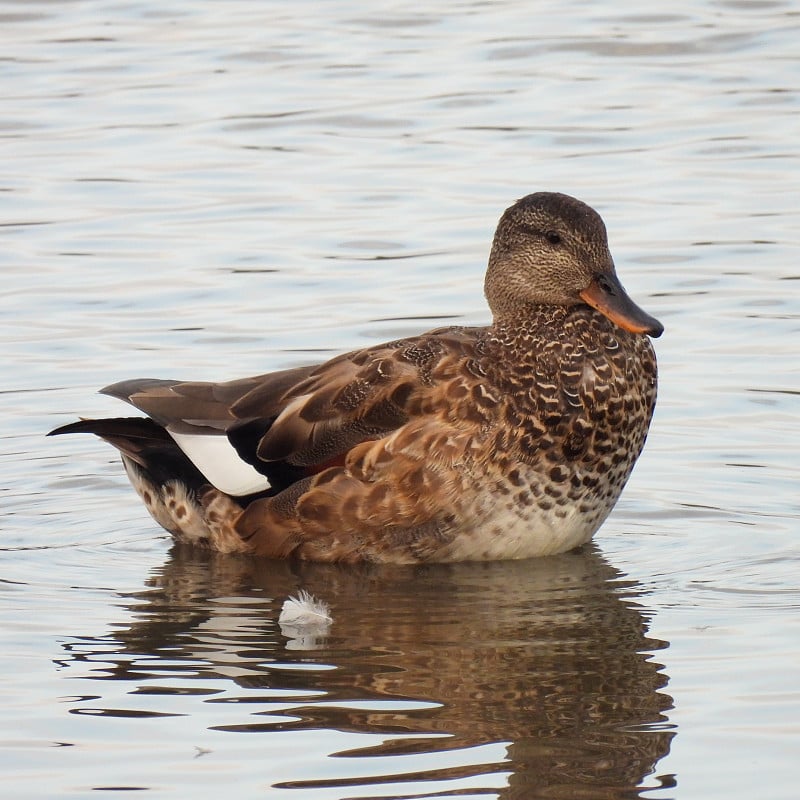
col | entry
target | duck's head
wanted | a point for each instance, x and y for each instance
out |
(551, 249)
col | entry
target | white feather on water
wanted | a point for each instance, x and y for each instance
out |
(303, 618)
(304, 609)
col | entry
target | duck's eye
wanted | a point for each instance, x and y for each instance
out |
(553, 237)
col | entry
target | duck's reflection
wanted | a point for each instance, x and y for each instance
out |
(548, 660)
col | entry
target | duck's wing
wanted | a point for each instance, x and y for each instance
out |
(195, 406)
(267, 432)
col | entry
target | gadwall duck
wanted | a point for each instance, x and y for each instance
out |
(507, 441)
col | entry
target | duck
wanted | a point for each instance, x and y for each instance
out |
(507, 441)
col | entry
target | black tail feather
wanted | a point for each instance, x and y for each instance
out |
(146, 443)
(134, 428)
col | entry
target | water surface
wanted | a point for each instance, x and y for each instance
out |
(214, 190)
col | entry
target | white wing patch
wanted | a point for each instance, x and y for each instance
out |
(219, 462)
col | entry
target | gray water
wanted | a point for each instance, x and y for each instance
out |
(210, 190)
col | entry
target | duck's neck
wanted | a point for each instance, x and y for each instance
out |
(527, 319)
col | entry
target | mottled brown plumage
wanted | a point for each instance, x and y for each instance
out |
(507, 441)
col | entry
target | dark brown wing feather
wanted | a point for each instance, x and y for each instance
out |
(309, 416)
(190, 406)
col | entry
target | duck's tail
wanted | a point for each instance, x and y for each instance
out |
(175, 492)
(144, 442)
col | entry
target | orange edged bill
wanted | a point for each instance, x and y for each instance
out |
(606, 294)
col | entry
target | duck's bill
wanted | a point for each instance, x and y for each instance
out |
(606, 294)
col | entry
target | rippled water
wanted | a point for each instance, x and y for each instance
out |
(209, 190)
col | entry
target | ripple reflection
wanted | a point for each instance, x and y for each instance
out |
(523, 679)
